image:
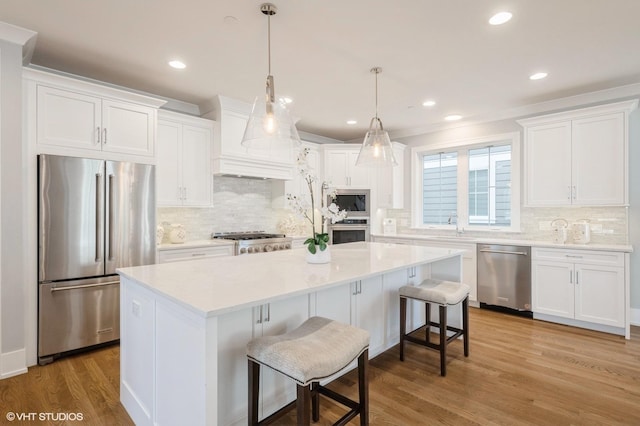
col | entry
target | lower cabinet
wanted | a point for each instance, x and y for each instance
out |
(582, 285)
(360, 304)
(190, 253)
(237, 328)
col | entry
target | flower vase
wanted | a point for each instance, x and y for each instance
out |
(320, 256)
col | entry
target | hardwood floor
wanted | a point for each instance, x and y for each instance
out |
(519, 372)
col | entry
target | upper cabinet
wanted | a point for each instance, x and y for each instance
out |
(73, 117)
(578, 157)
(183, 170)
(340, 168)
(389, 181)
(230, 157)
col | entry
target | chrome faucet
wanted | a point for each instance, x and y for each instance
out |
(459, 229)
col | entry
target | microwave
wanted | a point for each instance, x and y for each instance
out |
(357, 202)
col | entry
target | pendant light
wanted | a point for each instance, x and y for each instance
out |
(376, 148)
(270, 126)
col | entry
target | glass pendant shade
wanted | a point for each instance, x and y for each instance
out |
(270, 126)
(376, 150)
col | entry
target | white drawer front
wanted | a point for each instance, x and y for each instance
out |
(593, 257)
(178, 255)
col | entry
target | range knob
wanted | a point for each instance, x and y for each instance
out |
(243, 250)
(287, 246)
(268, 247)
(250, 250)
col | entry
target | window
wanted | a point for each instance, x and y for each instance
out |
(472, 183)
(439, 187)
(490, 186)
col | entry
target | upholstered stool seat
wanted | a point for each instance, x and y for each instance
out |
(317, 349)
(443, 294)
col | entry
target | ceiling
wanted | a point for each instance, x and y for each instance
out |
(322, 53)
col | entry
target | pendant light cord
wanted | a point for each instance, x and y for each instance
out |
(269, 40)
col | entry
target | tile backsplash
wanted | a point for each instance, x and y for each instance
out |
(609, 225)
(241, 204)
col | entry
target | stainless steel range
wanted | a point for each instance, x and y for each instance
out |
(255, 241)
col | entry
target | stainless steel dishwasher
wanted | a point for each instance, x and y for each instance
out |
(504, 276)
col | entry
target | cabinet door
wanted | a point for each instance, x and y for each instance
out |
(280, 317)
(552, 288)
(598, 160)
(335, 303)
(600, 295)
(548, 164)
(235, 330)
(358, 175)
(169, 159)
(127, 128)
(68, 119)
(197, 179)
(369, 311)
(391, 283)
(336, 168)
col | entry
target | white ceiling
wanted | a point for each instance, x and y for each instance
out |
(322, 52)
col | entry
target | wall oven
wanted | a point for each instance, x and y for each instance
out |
(349, 231)
(356, 201)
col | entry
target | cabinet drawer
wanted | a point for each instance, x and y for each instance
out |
(178, 255)
(592, 257)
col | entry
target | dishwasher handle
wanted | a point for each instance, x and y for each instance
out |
(519, 253)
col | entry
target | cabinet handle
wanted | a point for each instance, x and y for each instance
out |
(570, 277)
(268, 313)
(259, 320)
(97, 135)
(577, 279)
(355, 288)
(104, 135)
(197, 254)
(575, 256)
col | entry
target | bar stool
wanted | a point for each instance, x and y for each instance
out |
(317, 349)
(443, 294)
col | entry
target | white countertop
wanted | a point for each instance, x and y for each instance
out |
(195, 244)
(516, 242)
(211, 287)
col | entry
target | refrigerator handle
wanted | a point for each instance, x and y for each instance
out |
(99, 210)
(110, 217)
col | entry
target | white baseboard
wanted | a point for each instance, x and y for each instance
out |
(635, 316)
(13, 363)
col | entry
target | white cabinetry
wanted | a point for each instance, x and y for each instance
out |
(340, 168)
(183, 170)
(583, 285)
(360, 304)
(234, 331)
(389, 182)
(230, 157)
(578, 157)
(179, 254)
(72, 117)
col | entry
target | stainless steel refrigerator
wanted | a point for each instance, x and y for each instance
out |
(93, 216)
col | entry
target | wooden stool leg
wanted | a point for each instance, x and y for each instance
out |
(315, 402)
(363, 387)
(403, 325)
(303, 405)
(443, 340)
(427, 316)
(254, 389)
(465, 325)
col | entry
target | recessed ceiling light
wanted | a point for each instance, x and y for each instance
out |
(500, 18)
(538, 76)
(351, 122)
(428, 103)
(453, 117)
(179, 65)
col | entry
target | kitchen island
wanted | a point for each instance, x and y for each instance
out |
(185, 325)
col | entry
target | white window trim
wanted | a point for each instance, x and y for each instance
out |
(462, 146)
